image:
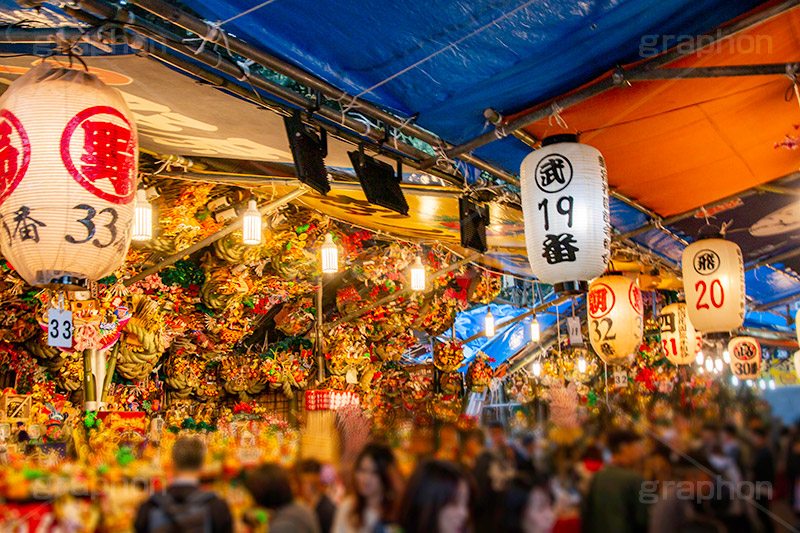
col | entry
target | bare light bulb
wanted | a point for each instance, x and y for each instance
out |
(418, 275)
(772, 384)
(726, 356)
(142, 217)
(535, 333)
(488, 324)
(762, 384)
(581, 365)
(537, 368)
(251, 224)
(734, 381)
(700, 357)
(718, 365)
(710, 364)
(329, 254)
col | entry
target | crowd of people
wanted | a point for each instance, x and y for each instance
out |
(713, 478)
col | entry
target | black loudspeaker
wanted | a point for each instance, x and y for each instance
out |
(308, 151)
(474, 219)
(380, 182)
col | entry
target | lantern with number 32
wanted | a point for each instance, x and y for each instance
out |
(68, 162)
(614, 306)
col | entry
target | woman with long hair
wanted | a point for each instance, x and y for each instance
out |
(527, 506)
(436, 499)
(376, 489)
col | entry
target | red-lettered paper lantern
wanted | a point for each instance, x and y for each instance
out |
(745, 355)
(796, 359)
(713, 281)
(565, 208)
(614, 306)
(679, 341)
(68, 161)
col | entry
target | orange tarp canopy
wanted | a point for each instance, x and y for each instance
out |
(675, 145)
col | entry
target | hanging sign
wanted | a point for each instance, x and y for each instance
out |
(574, 331)
(59, 328)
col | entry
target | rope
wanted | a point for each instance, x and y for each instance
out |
(791, 73)
(556, 115)
(446, 48)
(255, 8)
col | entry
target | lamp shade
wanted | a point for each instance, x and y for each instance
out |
(68, 152)
(614, 306)
(678, 337)
(745, 357)
(565, 207)
(713, 281)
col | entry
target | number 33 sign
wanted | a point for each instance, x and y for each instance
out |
(59, 328)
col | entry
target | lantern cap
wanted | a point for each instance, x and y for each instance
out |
(328, 239)
(571, 287)
(418, 262)
(560, 138)
(141, 195)
(709, 231)
(252, 205)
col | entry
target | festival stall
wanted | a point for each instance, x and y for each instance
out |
(165, 275)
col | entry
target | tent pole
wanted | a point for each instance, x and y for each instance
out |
(224, 232)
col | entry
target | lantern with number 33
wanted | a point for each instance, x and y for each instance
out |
(68, 162)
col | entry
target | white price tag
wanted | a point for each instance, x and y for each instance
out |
(574, 331)
(620, 379)
(59, 328)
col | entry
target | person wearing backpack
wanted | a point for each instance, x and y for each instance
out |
(184, 507)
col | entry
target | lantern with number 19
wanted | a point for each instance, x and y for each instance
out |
(565, 208)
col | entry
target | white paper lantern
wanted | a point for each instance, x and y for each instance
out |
(614, 306)
(745, 357)
(68, 161)
(565, 207)
(713, 281)
(797, 326)
(678, 337)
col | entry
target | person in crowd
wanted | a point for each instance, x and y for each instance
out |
(524, 454)
(449, 443)
(312, 492)
(436, 499)
(184, 507)
(763, 475)
(735, 516)
(472, 448)
(271, 489)
(709, 438)
(590, 463)
(793, 475)
(527, 506)
(613, 502)
(376, 490)
(493, 470)
(692, 502)
(731, 445)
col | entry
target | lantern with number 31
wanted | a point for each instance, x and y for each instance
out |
(68, 162)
